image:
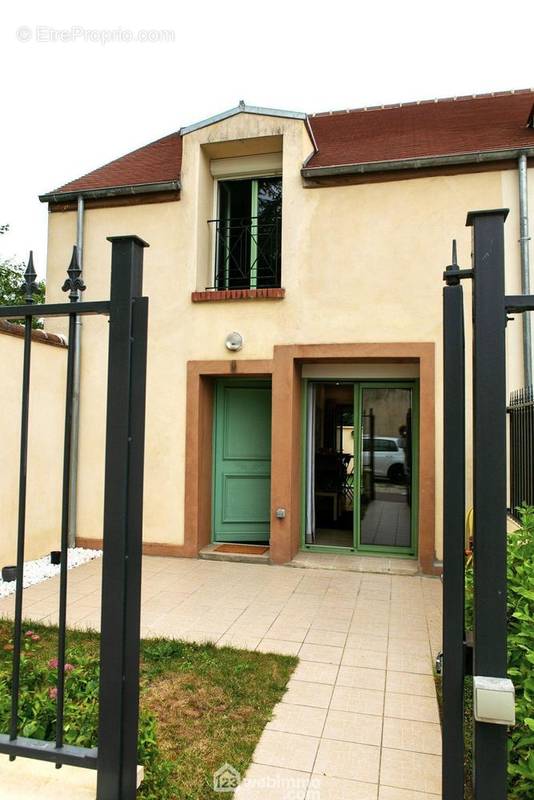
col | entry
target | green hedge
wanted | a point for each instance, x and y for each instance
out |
(520, 652)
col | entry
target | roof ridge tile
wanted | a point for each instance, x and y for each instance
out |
(454, 98)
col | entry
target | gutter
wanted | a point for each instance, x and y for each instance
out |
(416, 163)
(524, 244)
(112, 191)
(313, 141)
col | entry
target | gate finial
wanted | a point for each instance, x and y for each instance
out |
(30, 285)
(450, 278)
(74, 282)
(454, 254)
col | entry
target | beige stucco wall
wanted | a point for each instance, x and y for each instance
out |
(45, 447)
(360, 263)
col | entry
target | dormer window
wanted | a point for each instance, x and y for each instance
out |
(247, 233)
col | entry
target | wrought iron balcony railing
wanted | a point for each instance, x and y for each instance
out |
(247, 252)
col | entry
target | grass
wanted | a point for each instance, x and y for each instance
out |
(468, 731)
(210, 704)
(468, 737)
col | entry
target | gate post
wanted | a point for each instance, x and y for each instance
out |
(453, 533)
(489, 485)
(123, 508)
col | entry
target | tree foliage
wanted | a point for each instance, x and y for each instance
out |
(11, 282)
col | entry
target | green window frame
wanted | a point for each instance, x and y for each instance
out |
(252, 247)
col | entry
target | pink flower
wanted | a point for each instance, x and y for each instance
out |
(69, 667)
(53, 663)
(29, 633)
(52, 693)
(35, 637)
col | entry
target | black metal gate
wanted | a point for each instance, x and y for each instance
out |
(482, 652)
(521, 418)
(115, 758)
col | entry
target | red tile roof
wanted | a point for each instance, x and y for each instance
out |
(385, 133)
(154, 163)
(431, 128)
(14, 329)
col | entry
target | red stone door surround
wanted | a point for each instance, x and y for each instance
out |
(285, 369)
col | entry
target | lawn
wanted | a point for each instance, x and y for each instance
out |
(201, 706)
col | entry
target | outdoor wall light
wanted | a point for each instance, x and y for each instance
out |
(234, 341)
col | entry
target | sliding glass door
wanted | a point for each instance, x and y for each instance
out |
(387, 468)
(329, 495)
(360, 482)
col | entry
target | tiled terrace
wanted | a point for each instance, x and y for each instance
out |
(359, 719)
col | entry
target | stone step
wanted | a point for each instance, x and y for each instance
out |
(211, 554)
(304, 559)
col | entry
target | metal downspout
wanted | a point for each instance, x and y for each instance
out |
(524, 243)
(73, 483)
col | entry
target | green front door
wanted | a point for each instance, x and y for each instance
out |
(242, 461)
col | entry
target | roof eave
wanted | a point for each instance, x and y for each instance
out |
(110, 191)
(242, 108)
(423, 162)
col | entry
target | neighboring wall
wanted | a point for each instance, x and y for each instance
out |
(360, 263)
(45, 450)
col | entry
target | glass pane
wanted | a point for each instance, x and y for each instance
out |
(268, 231)
(269, 198)
(333, 465)
(386, 467)
(234, 225)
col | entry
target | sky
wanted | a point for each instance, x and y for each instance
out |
(83, 85)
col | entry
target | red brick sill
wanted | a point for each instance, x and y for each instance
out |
(237, 294)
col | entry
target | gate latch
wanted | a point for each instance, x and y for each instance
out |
(439, 664)
(494, 700)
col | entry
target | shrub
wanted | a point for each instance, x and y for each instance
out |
(37, 708)
(520, 652)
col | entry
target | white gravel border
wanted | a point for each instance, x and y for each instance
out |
(41, 569)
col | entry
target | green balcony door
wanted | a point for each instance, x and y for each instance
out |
(242, 461)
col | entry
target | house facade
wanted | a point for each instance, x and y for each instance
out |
(294, 396)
